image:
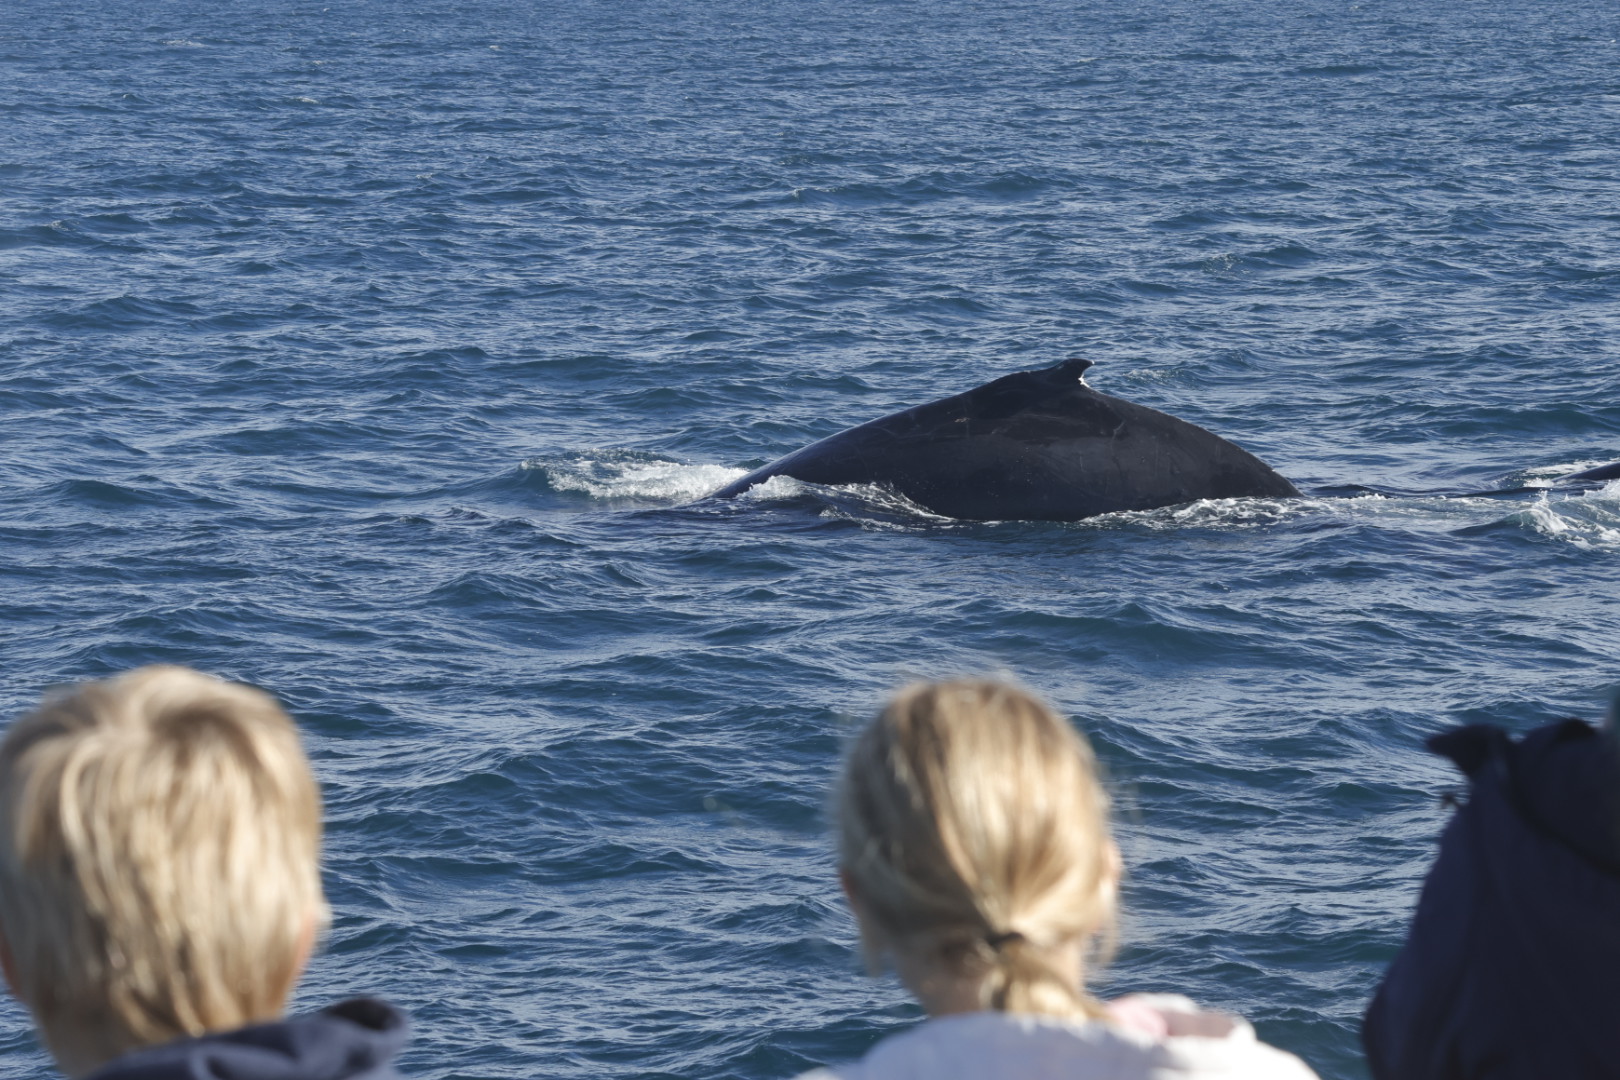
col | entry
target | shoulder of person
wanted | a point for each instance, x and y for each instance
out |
(1194, 1044)
(1189, 1041)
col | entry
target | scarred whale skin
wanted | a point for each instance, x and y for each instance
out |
(1032, 446)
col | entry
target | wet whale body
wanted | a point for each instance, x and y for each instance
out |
(1032, 446)
(1602, 472)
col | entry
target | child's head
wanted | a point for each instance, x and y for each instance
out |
(159, 861)
(974, 842)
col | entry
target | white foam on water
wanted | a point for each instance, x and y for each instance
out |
(877, 504)
(777, 487)
(1575, 518)
(621, 474)
(868, 504)
(1212, 513)
(184, 43)
(1590, 520)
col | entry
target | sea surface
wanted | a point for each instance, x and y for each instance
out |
(382, 354)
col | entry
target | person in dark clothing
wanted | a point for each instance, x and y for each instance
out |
(355, 1040)
(160, 887)
(1511, 970)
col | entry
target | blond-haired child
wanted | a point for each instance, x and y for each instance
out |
(160, 886)
(975, 850)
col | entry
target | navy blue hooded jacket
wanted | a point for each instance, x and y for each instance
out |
(1512, 966)
(354, 1040)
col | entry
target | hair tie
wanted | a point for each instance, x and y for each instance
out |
(1003, 939)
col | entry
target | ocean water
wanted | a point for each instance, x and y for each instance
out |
(381, 354)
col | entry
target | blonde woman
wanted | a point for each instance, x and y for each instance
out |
(976, 855)
(160, 887)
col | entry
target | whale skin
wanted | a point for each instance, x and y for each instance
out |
(1602, 472)
(1031, 446)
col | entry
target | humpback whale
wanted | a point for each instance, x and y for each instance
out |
(1602, 472)
(1032, 446)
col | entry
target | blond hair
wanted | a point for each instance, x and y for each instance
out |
(973, 832)
(159, 861)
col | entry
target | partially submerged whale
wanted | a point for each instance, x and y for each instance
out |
(1032, 446)
(1602, 472)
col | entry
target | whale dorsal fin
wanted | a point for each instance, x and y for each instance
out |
(1074, 367)
(1024, 389)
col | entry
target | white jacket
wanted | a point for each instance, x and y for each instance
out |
(1190, 1044)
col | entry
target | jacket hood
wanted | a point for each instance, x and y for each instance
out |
(1510, 963)
(353, 1040)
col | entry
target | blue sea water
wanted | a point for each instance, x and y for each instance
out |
(380, 354)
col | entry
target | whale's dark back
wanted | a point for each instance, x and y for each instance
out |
(1032, 446)
(1602, 472)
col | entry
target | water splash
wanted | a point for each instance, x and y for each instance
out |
(629, 474)
(876, 505)
(1590, 521)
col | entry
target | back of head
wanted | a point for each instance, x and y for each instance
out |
(974, 834)
(159, 861)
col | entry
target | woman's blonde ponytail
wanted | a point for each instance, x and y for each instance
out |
(1021, 979)
(975, 831)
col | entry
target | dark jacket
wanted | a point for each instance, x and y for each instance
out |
(1512, 966)
(354, 1040)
